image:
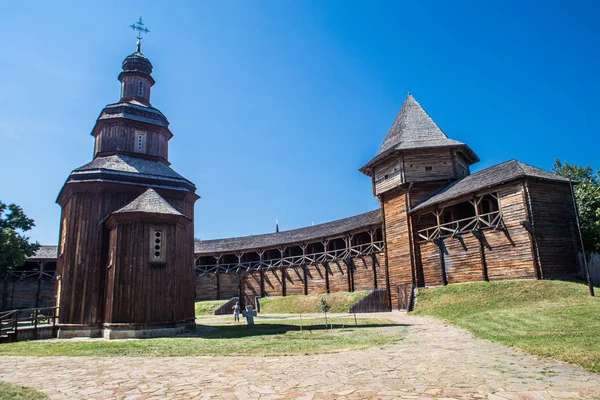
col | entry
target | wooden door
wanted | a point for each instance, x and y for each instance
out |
(404, 292)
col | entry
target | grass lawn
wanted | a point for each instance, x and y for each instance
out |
(340, 303)
(218, 335)
(9, 391)
(556, 319)
(208, 307)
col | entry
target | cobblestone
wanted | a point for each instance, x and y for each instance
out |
(435, 360)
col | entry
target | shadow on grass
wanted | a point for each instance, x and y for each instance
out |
(242, 330)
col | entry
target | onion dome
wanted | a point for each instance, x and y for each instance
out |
(137, 62)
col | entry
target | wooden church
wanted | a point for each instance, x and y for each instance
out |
(127, 264)
(125, 259)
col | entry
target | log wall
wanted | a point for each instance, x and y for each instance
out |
(440, 161)
(23, 293)
(397, 241)
(123, 137)
(555, 227)
(388, 175)
(494, 255)
(463, 259)
(509, 255)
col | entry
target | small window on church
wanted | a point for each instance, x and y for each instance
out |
(157, 246)
(428, 168)
(140, 141)
(140, 91)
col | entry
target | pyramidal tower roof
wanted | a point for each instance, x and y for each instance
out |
(412, 124)
(412, 129)
(149, 202)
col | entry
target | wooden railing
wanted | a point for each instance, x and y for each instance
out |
(28, 319)
(492, 220)
(350, 250)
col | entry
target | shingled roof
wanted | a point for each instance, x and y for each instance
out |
(489, 177)
(123, 168)
(308, 234)
(413, 128)
(45, 253)
(149, 202)
(136, 111)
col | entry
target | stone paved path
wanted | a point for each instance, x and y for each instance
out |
(434, 361)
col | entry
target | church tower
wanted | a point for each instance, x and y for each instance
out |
(415, 159)
(126, 255)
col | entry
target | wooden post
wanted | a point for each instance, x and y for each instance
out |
(283, 283)
(350, 273)
(349, 264)
(241, 294)
(374, 261)
(440, 243)
(326, 266)
(37, 295)
(261, 272)
(304, 272)
(35, 323)
(585, 264)
(305, 277)
(218, 272)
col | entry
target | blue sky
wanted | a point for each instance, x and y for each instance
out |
(276, 104)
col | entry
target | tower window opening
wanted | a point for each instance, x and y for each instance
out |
(429, 168)
(140, 89)
(157, 246)
(140, 141)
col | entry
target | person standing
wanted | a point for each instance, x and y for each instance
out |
(236, 312)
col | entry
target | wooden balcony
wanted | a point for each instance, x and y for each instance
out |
(492, 220)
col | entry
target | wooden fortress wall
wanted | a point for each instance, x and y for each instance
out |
(361, 273)
(23, 293)
(495, 255)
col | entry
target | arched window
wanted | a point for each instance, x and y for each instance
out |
(140, 90)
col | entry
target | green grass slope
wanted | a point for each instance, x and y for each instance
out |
(556, 319)
(208, 307)
(340, 303)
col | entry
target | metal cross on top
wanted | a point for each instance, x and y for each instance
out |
(141, 28)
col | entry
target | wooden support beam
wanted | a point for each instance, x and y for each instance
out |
(262, 273)
(484, 270)
(241, 294)
(440, 244)
(39, 284)
(305, 276)
(374, 261)
(283, 274)
(350, 273)
(326, 266)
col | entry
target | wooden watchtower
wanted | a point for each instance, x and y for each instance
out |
(415, 159)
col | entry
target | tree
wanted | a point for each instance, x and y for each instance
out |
(14, 246)
(587, 196)
(324, 306)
